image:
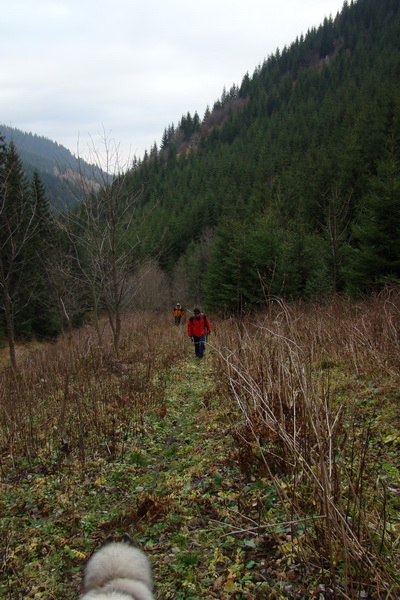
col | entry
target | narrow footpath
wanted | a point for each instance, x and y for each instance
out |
(198, 514)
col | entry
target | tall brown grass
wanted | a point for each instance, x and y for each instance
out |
(317, 386)
(74, 396)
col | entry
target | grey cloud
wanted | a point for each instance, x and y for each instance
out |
(68, 68)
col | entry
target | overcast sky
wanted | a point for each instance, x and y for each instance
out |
(73, 70)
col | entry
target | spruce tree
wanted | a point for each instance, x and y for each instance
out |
(16, 230)
(243, 263)
(40, 313)
(374, 258)
(2, 215)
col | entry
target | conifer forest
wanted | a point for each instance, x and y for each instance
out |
(288, 186)
(269, 469)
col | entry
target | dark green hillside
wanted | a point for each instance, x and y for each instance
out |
(278, 173)
(36, 148)
(288, 187)
(54, 163)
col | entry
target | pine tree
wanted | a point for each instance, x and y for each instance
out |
(374, 258)
(243, 263)
(2, 240)
(16, 230)
(39, 315)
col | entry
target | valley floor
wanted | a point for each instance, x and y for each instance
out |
(175, 487)
(153, 447)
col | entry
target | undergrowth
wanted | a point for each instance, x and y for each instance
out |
(267, 470)
(318, 390)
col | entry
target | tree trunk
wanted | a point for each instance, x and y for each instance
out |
(9, 317)
(10, 330)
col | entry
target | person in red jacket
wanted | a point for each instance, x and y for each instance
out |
(198, 328)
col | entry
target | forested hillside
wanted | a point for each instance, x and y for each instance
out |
(288, 187)
(55, 164)
(290, 184)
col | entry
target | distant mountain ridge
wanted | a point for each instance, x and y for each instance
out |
(56, 165)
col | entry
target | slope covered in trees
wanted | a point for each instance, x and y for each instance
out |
(288, 187)
(55, 164)
(277, 187)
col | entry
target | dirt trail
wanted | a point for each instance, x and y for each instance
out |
(194, 494)
(191, 428)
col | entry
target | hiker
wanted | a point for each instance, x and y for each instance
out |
(178, 313)
(198, 329)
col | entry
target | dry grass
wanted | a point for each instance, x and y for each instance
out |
(73, 393)
(314, 397)
(318, 390)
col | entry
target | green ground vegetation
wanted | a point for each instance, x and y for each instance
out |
(201, 461)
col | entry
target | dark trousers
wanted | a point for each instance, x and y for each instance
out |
(199, 345)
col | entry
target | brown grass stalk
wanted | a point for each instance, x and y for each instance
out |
(287, 369)
(72, 393)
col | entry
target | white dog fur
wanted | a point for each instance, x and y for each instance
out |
(118, 571)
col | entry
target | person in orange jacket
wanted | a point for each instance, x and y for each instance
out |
(178, 313)
(198, 329)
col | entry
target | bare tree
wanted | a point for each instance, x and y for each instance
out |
(151, 287)
(104, 233)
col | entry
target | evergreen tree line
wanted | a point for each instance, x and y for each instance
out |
(289, 186)
(26, 302)
(294, 174)
(56, 269)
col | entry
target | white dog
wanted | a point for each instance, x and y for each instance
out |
(118, 571)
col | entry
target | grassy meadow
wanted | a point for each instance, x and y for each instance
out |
(268, 470)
